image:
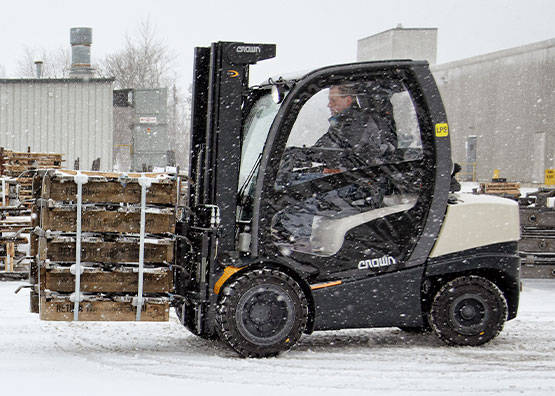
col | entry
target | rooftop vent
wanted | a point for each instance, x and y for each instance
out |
(81, 41)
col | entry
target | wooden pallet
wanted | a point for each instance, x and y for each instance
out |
(103, 187)
(22, 165)
(65, 220)
(501, 188)
(61, 308)
(14, 163)
(14, 227)
(59, 278)
(10, 252)
(106, 252)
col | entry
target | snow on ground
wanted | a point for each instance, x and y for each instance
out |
(95, 358)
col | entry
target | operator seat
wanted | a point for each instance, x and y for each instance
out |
(328, 233)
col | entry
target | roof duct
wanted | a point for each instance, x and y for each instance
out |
(38, 68)
(81, 41)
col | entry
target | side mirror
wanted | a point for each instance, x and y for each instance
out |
(455, 186)
(456, 168)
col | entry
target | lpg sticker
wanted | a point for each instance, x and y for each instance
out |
(384, 261)
(442, 130)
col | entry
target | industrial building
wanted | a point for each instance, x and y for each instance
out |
(500, 110)
(499, 105)
(72, 116)
(83, 118)
(399, 43)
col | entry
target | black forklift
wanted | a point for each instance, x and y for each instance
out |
(284, 236)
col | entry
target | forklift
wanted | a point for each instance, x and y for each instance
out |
(282, 236)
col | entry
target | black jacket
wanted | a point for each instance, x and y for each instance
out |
(354, 139)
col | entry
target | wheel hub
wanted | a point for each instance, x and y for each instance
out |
(469, 314)
(265, 314)
(259, 313)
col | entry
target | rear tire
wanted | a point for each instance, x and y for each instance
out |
(469, 310)
(261, 313)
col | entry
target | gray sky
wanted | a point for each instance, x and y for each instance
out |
(308, 33)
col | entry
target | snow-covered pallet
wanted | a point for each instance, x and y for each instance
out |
(21, 165)
(121, 279)
(58, 307)
(505, 189)
(104, 245)
(101, 219)
(107, 187)
(95, 248)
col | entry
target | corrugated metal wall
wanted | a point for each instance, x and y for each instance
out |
(507, 100)
(70, 116)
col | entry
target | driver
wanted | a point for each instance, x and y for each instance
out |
(353, 140)
(354, 132)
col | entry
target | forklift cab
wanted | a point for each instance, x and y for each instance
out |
(339, 193)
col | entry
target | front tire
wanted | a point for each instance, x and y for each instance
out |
(261, 313)
(469, 310)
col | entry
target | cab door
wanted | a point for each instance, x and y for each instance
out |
(361, 212)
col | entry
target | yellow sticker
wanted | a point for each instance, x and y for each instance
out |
(442, 130)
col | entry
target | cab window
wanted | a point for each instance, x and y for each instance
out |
(336, 163)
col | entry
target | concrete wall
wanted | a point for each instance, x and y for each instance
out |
(68, 116)
(507, 100)
(399, 43)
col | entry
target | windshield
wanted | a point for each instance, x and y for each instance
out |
(257, 126)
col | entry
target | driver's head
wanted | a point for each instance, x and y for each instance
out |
(339, 99)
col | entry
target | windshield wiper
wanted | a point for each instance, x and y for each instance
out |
(248, 180)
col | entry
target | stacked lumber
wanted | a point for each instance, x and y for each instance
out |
(20, 165)
(110, 275)
(503, 189)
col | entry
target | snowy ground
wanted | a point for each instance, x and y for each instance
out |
(63, 358)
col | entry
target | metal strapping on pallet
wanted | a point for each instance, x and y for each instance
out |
(79, 179)
(145, 183)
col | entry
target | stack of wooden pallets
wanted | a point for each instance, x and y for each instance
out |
(21, 165)
(502, 189)
(16, 173)
(15, 224)
(104, 244)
